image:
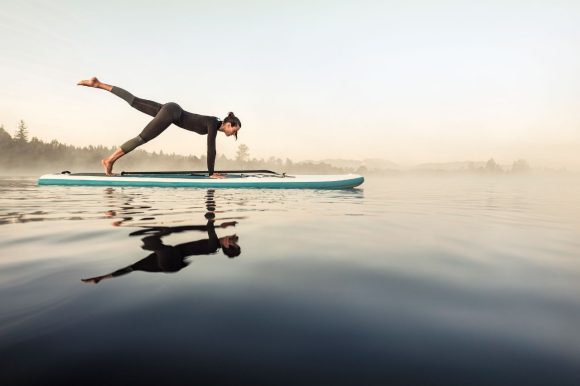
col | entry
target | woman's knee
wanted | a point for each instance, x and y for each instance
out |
(173, 109)
(132, 144)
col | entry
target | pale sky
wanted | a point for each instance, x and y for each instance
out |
(408, 81)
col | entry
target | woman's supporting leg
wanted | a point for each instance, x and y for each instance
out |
(169, 113)
(110, 161)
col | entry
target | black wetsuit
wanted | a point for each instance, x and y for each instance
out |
(165, 115)
(167, 258)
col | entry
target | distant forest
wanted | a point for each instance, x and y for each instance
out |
(21, 154)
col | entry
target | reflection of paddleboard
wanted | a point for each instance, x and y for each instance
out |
(200, 179)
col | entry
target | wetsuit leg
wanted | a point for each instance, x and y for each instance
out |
(132, 144)
(164, 115)
(143, 105)
(167, 114)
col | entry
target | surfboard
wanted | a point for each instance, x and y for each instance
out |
(199, 179)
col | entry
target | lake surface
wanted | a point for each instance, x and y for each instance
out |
(409, 280)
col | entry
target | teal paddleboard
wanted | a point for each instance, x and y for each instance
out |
(234, 179)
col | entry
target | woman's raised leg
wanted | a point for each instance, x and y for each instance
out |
(164, 115)
(145, 106)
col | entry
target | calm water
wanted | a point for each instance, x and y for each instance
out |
(409, 280)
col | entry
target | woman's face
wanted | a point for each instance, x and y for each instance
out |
(230, 241)
(229, 129)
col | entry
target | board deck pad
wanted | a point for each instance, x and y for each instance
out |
(199, 179)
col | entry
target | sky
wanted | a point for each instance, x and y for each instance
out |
(407, 81)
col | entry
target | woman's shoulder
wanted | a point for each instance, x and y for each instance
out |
(213, 123)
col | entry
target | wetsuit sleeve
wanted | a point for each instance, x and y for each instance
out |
(211, 152)
(201, 247)
(214, 242)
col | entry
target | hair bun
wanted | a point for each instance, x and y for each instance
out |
(233, 120)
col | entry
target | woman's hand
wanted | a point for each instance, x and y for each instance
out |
(217, 175)
(93, 280)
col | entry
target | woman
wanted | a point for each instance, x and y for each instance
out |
(165, 115)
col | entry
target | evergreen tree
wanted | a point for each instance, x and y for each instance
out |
(22, 132)
(4, 136)
(520, 166)
(243, 154)
(492, 166)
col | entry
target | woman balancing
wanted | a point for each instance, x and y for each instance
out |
(163, 116)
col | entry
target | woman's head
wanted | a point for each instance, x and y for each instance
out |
(231, 125)
(230, 246)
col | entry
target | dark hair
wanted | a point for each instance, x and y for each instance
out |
(232, 251)
(234, 121)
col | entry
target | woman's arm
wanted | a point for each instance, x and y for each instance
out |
(97, 279)
(211, 152)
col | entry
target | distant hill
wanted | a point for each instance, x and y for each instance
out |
(490, 166)
(375, 164)
(449, 166)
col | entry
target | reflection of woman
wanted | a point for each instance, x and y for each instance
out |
(167, 258)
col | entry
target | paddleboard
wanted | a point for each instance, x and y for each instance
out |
(199, 179)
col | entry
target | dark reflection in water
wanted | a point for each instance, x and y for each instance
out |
(168, 258)
(125, 212)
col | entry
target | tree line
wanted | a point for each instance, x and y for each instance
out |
(19, 153)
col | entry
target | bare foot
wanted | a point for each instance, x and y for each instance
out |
(108, 165)
(93, 280)
(93, 82)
